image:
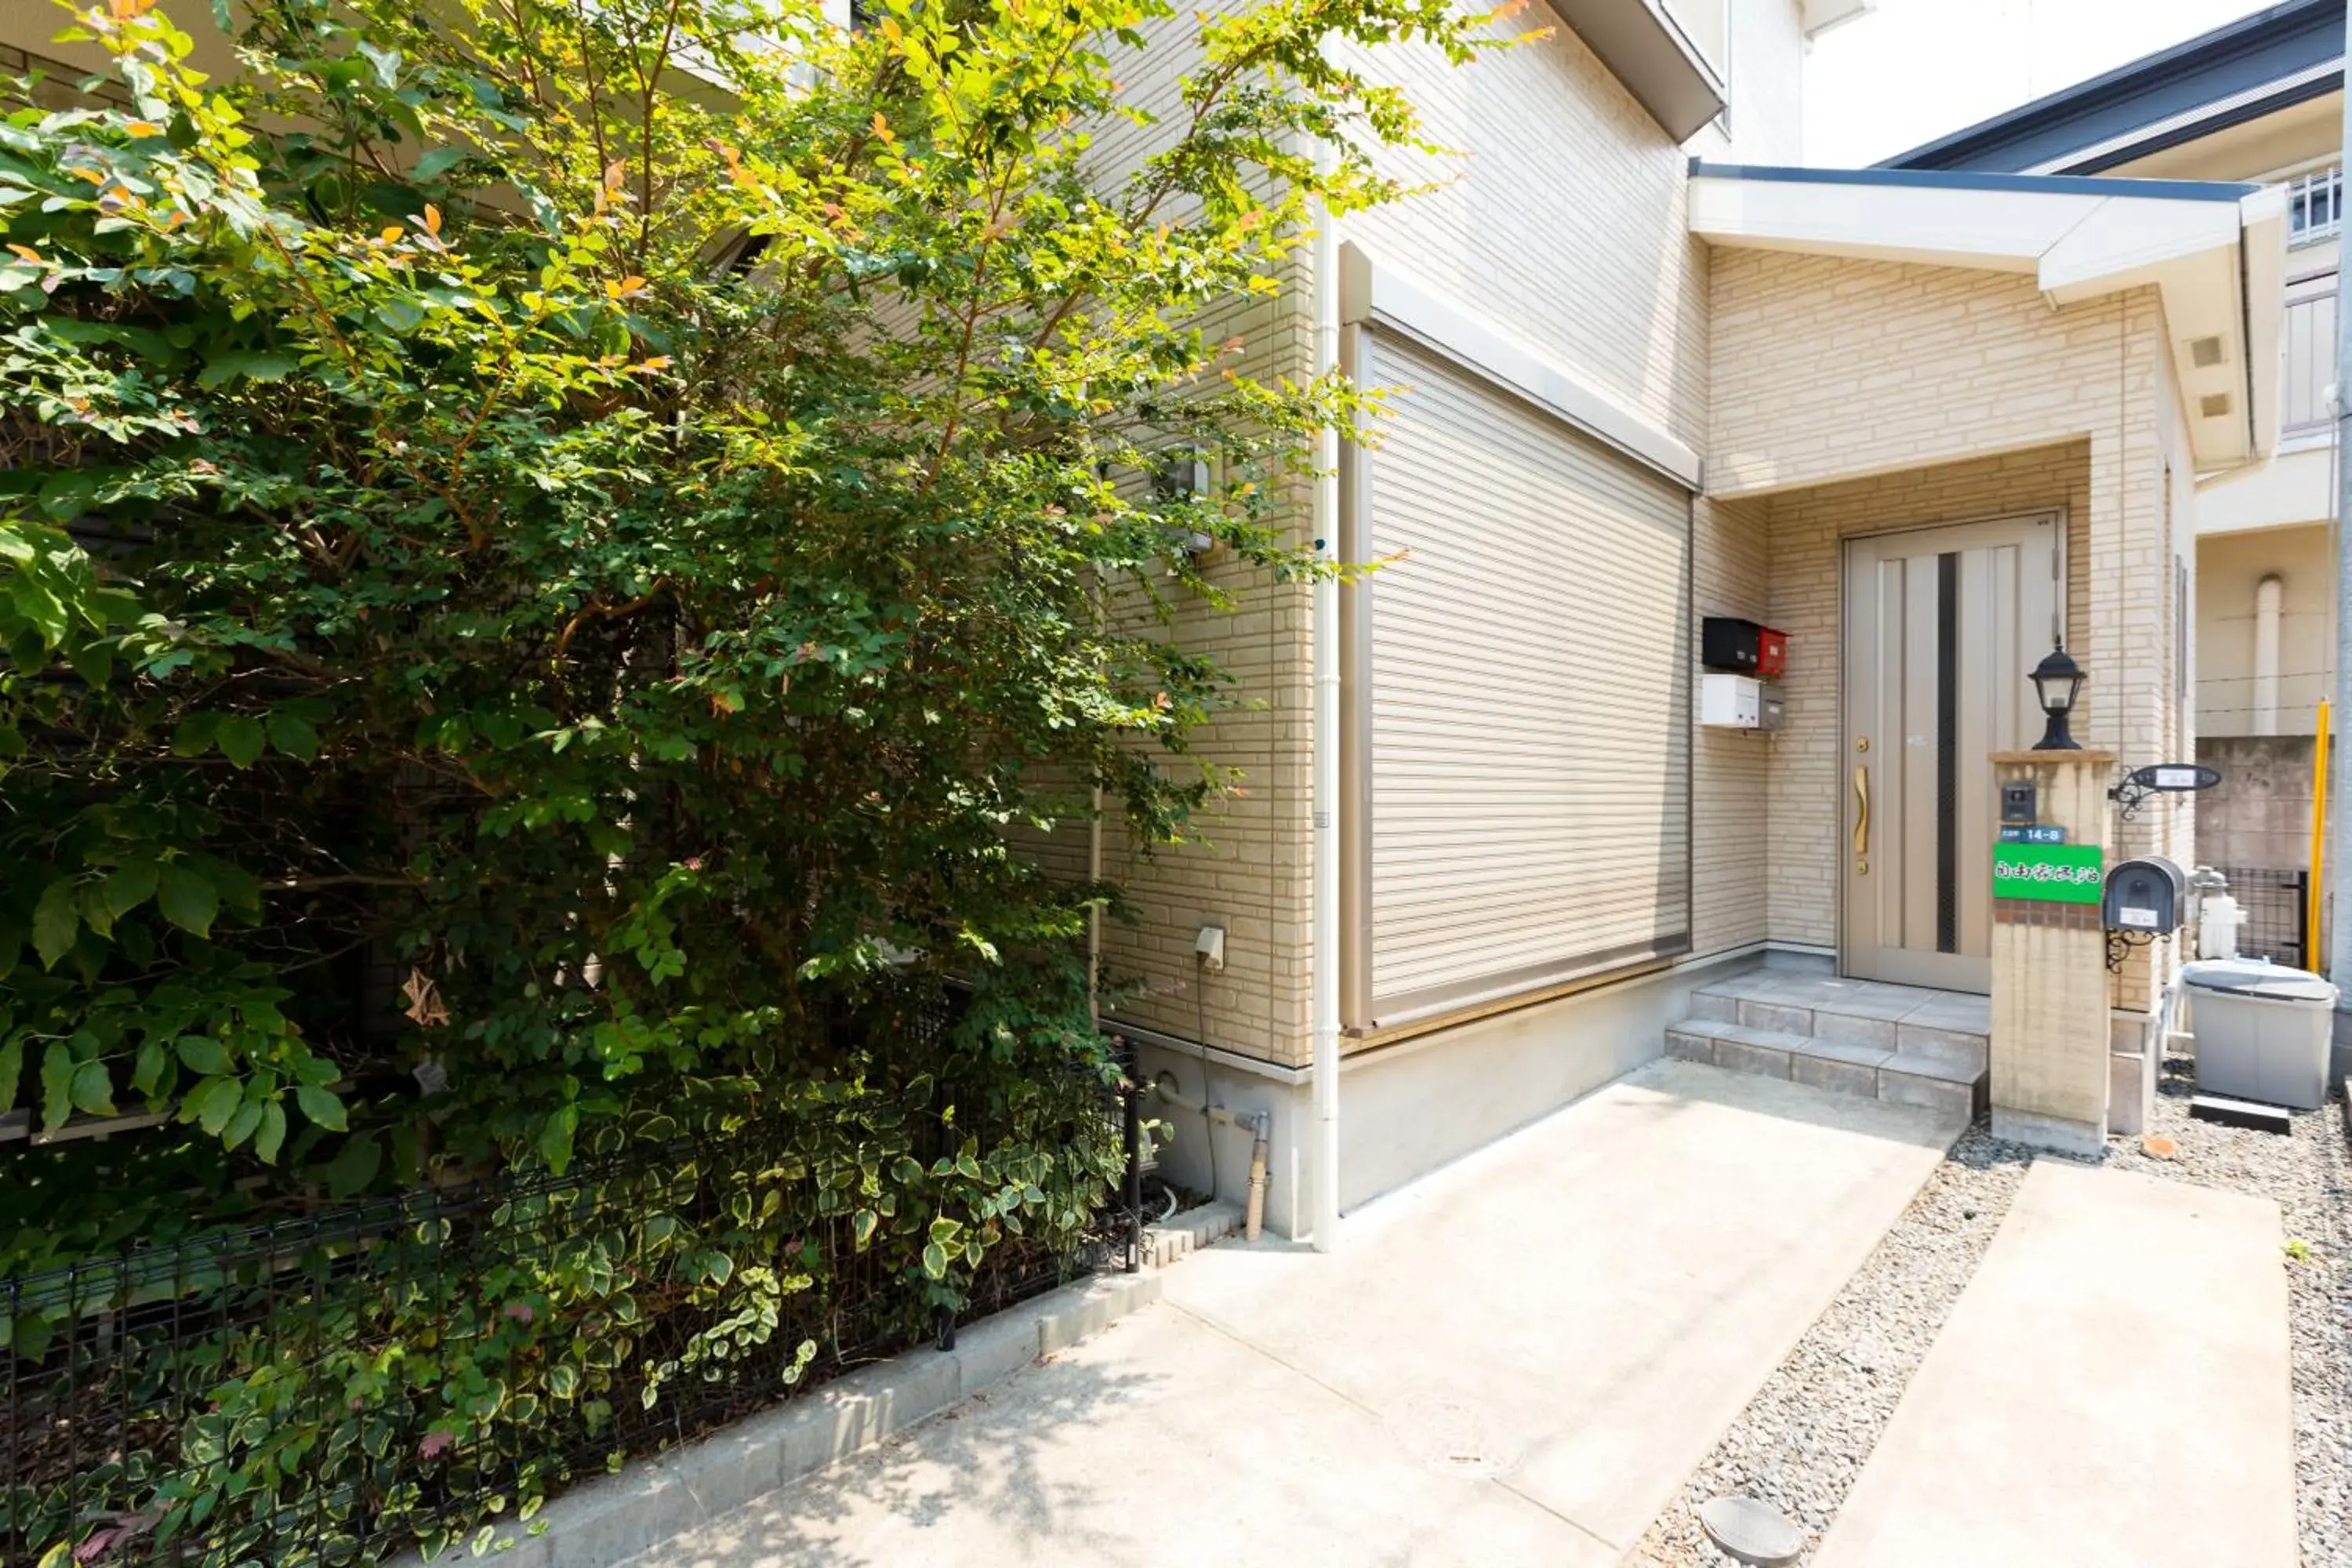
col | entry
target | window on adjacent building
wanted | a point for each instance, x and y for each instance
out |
(1707, 24)
(2314, 203)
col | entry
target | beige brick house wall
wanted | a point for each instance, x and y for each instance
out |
(1561, 212)
(1856, 396)
(1732, 771)
(1246, 863)
(1597, 273)
(1565, 220)
(1807, 529)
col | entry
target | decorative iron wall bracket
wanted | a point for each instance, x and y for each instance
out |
(2164, 778)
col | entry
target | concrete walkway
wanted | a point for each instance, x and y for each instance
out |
(2112, 1389)
(1515, 1360)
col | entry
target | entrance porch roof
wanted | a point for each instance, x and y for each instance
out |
(2216, 252)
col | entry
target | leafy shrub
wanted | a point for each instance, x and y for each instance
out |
(549, 554)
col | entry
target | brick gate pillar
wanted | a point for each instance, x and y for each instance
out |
(2049, 1044)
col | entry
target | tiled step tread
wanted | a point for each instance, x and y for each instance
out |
(1745, 1033)
(1941, 1069)
(1914, 1079)
(1784, 1004)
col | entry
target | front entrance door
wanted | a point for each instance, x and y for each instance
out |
(1942, 625)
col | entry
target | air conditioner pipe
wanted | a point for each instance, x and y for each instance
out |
(1258, 1124)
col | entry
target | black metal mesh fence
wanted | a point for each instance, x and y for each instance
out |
(2277, 906)
(269, 1353)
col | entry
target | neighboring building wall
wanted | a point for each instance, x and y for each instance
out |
(2260, 814)
(2229, 570)
(1765, 123)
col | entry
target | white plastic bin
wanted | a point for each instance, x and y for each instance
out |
(2262, 1031)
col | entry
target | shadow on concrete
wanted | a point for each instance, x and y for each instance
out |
(987, 1454)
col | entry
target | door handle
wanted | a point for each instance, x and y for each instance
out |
(1860, 821)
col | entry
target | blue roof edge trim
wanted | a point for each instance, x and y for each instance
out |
(2264, 45)
(2197, 129)
(1977, 180)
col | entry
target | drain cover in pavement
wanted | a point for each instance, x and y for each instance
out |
(1752, 1531)
(1451, 1437)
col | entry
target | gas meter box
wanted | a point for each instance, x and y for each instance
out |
(2149, 895)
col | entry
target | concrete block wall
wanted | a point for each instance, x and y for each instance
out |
(2260, 814)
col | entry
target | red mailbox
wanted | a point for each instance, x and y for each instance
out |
(1743, 647)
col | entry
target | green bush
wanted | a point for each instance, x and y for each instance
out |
(549, 554)
(328, 1391)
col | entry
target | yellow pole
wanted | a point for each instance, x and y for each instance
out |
(2318, 845)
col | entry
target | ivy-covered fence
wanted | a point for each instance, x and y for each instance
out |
(340, 1387)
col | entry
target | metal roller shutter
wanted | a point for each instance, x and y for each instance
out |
(1529, 717)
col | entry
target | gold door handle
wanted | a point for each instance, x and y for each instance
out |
(1862, 820)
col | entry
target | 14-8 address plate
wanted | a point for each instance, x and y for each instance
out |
(2052, 873)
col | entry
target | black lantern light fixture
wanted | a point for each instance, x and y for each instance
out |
(2057, 682)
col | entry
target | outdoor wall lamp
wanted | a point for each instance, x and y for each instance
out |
(2057, 681)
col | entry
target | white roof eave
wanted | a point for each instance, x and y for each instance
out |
(2218, 263)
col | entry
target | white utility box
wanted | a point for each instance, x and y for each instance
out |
(2262, 1030)
(1737, 702)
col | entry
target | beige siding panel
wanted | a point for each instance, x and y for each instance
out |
(1530, 751)
(1552, 202)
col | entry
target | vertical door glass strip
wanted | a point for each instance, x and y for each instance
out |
(1947, 752)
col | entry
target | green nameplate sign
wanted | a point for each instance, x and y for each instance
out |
(2053, 873)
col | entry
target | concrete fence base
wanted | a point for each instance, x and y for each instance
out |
(614, 1518)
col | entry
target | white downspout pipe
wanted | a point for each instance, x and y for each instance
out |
(2269, 597)
(1094, 912)
(1325, 958)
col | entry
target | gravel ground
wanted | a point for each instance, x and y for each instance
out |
(1803, 1439)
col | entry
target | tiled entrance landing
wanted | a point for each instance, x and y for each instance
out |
(1853, 1036)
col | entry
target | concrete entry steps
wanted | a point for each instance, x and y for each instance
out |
(1899, 1043)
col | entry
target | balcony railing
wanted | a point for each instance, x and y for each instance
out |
(2310, 354)
(2314, 205)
